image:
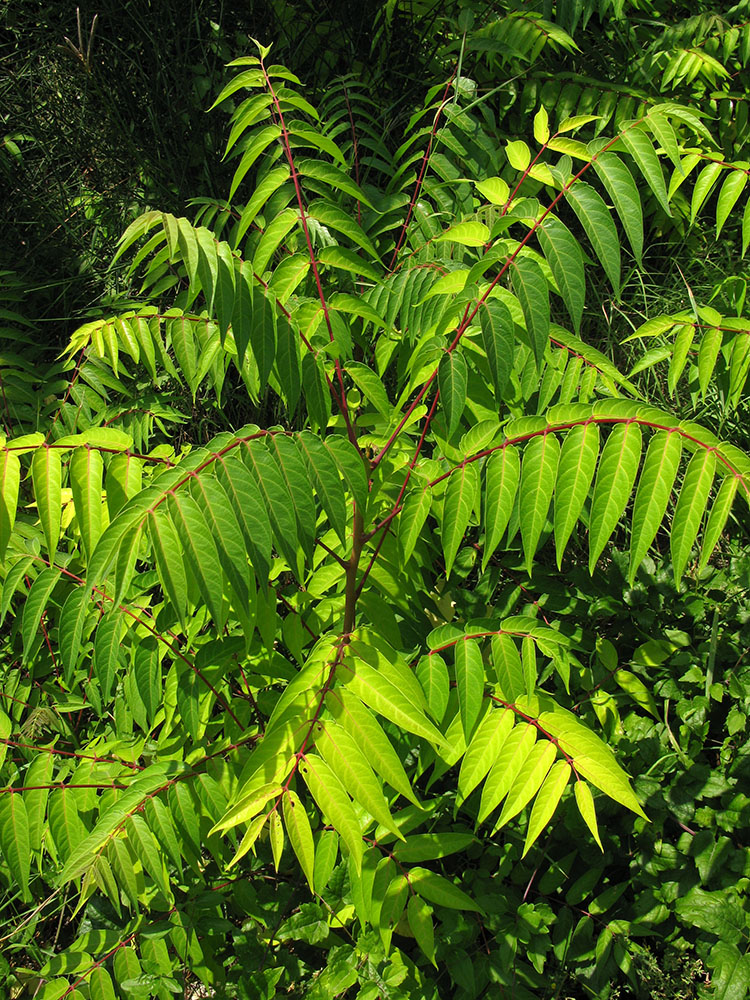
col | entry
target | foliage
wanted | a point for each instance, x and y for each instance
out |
(318, 555)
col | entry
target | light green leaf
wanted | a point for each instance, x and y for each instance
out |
(508, 667)
(514, 752)
(640, 147)
(691, 506)
(546, 801)
(484, 749)
(460, 499)
(375, 745)
(411, 520)
(564, 256)
(530, 286)
(527, 782)
(615, 476)
(621, 188)
(498, 340)
(10, 478)
(502, 474)
(717, 518)
(469, 683)
(106, 651)
(14, 839)
(247, 807)
(169, 559)
(436, 889)
(334, 803)
(101, 986)
(538, 473)
(585, 803)
(370, 386)
(466, 234)
(46, 474)
(86, 471)
(452, 380)
(342, 754)
(432, 674)
(597, 223)
(326, 479)
(653, 493)
(200, 551)
(36, 605)
(703, 185)
(575, 474)
(541, 126)
(419, 915)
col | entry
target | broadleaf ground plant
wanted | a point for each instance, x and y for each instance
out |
(282, 712)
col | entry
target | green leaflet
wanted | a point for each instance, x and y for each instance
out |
(10, 476)
(498, 340)
(342, 754)
(325, 477)
(538, 472)
(621, 188)
(334, 803)
(730, 192)
(597, 223)
(502, 475)
(277, 501)
(546, 801)
(300, 834)
(642, 150)
(461, 498)
(294, 474)
(513, 754)
(15, 840)
(86, 471)
(315, 391)
(411, 520)
(717, 518)
(200, 550)
(237, 504)
(83, 851)
(585, 803)
(653, 493)
(452, 381)
(168, 556)
(419, 915)
(432, 674)
(35, 607)
(106, 651)
(690, 507)
(46, 474)
(575, 474)
(436, 889)
(564, 256)
(591, 757)
(469, 670)
(530, 286)
(484, 749)
(528, 781)
(508, 667)
(367, 732)
(618, 467)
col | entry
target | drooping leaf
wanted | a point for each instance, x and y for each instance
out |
(469, 683)
(690, 508)
(597, 223)
(618, 467)
(564, 256)
(575, 474)
(652, 496)
(460, 499)
(498, 340)
(530, 286)
(503, 474)
(538, 474)
(452, 381)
